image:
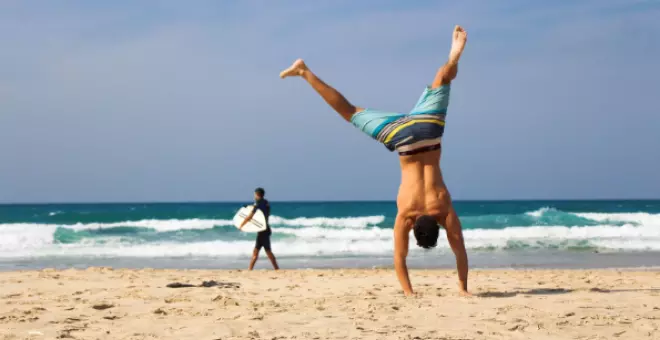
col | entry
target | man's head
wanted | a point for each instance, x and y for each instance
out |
(259, 193)
(426, 231)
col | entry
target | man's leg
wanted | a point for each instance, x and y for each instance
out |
(255, 256)
(448, 71)
(455, 237)
(271, 257)
(331, 96)
(273, 261)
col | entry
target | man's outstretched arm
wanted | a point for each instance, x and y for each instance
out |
(248, 218)
(401, 239)
(455, 237)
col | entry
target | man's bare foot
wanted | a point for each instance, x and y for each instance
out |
(464, 293)
(462, 290)
(459, 38)
(411, 295)
(297, 69)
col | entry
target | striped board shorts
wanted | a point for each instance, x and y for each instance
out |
(419, 131)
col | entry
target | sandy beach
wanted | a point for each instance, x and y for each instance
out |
(102, 303)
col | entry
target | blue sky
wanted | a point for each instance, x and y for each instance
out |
(180, 101)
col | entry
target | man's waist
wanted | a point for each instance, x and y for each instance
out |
(421, 194)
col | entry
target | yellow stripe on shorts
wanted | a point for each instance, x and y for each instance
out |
(403, 126)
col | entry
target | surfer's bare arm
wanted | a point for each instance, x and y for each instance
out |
(401, 237)
(248, 218)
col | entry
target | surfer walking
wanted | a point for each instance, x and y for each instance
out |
(263, 237)
(423, 202)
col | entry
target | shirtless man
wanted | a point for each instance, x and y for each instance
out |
(423, 202)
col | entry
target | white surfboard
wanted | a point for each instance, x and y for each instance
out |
(255, 225)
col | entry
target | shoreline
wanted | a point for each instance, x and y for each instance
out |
(329, 270)
(438, 259)
(108, 303)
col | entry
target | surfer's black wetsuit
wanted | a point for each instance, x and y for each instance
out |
(263, 237)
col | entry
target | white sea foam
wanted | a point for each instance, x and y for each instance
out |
(342, 222)
(189, 224)
(639, 218)
(538, 213)
(323, 237)
(207, 249)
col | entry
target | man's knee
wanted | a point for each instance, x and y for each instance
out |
(452, 72)
(348, 112)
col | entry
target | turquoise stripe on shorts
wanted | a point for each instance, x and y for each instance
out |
(432, 101)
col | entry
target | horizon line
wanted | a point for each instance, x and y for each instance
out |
(327, 201)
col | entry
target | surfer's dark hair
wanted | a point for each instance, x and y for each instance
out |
(426, 231)
(260, 191)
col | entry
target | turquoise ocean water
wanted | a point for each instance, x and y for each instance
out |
(326, 234)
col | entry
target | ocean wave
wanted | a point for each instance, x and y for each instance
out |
(189, 224)
(540, 212)
(325, 241)
(542, 217)
(341, 222)
(639, 218)
(626, 237)
(158, 225)
(206, 249)
(368, 242)
(374, 233)
(317, 236)
(17, 237)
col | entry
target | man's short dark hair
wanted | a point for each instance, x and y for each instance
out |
(426, 231)
(260, 191)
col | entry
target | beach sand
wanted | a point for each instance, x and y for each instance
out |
(102, 303)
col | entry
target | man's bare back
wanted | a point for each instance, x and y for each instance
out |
(423, 202)
(423, 193)
(422, 190)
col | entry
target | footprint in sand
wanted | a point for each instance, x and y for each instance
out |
(11, 296)
(71, 320)
(226, 301)
(102, 306)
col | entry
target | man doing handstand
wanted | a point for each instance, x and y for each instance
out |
(423, 201)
